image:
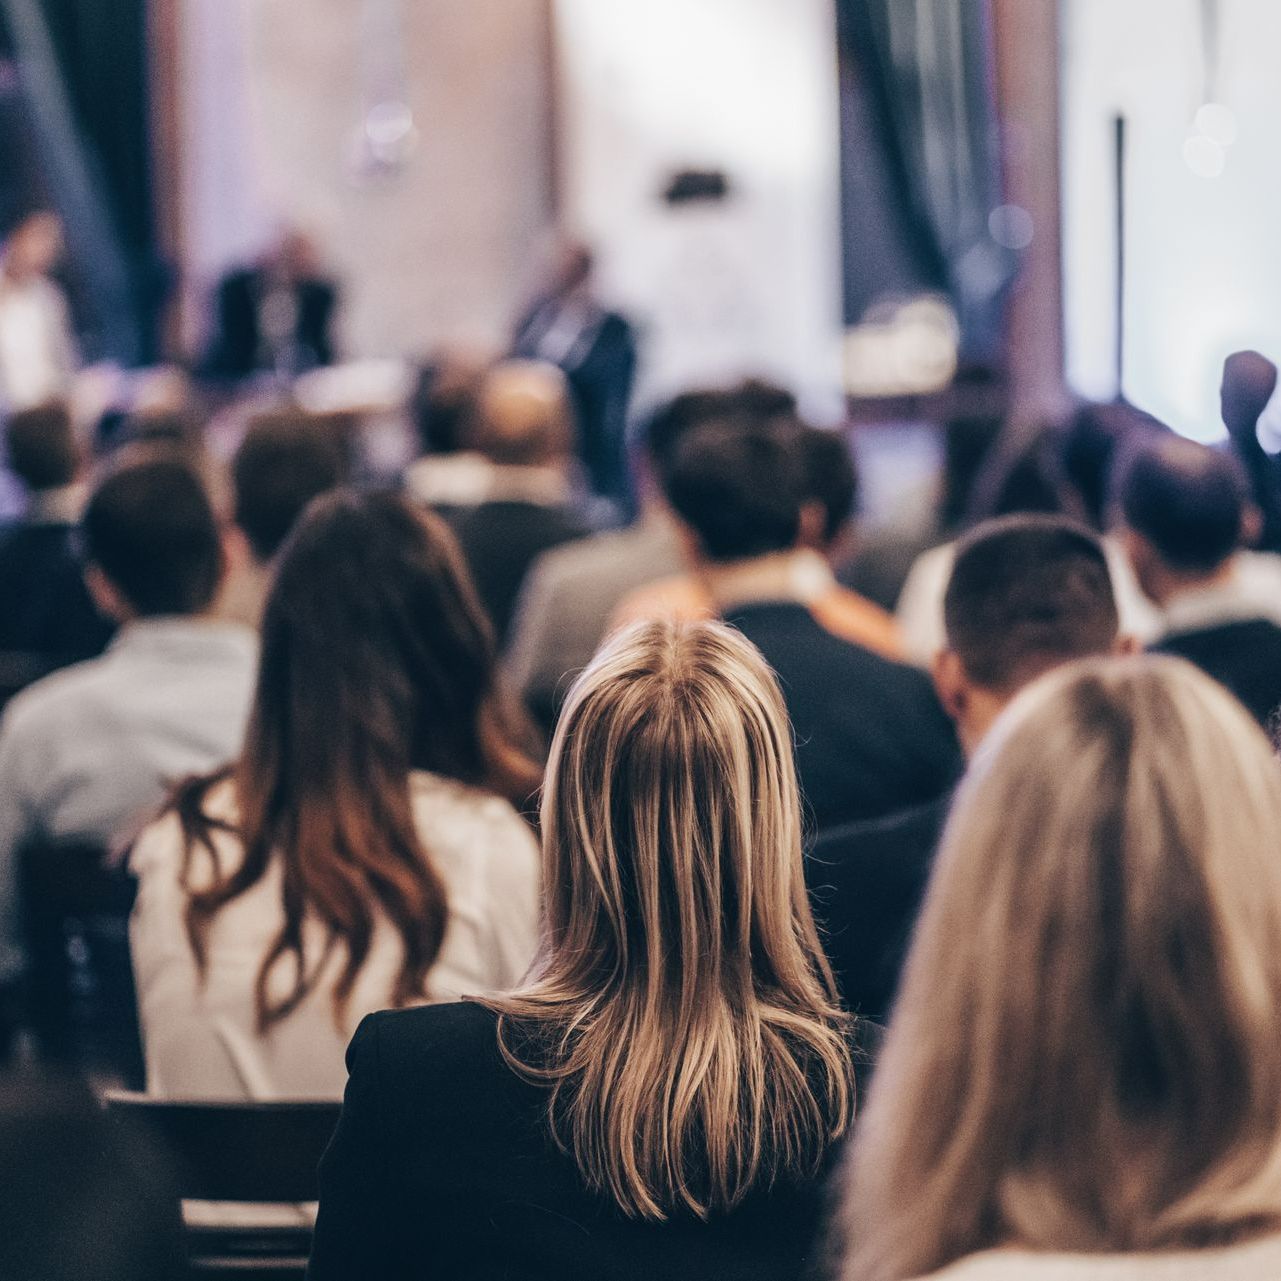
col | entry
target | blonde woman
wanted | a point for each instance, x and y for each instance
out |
(1082, 1081)
(664, 1096)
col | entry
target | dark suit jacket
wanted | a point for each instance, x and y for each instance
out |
(871, 736)
(442, 1167)
(867, 881)
(1244, 655)
(47, 618)
(236, 350)
(600, 370)
(501, 540)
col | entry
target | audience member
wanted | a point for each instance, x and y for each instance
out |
(284, 461)
(1186, 510)
(524, 429)
(572, 591)
(1249, 383)
(824, 471)
(448, 472)
(871, 736)
(568, 326)
(37, 351)
(365, 850)
(1027, 593)
(275, 315)
(86, 752)
(47, 618)
(1082, 1079)
(662, 1097)
(80, 1200)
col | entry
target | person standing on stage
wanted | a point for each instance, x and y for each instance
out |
(37, 351)
(568, 326)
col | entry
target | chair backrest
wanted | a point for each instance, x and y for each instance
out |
(265, 1152)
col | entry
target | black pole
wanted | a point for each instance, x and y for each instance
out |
(1119, 126)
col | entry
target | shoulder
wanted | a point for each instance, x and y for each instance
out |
(920, 826)
(437, 1051)
(41, 707)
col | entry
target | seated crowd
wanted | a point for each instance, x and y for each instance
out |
(658, 904)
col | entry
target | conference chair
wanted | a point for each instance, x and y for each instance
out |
(253, 1154)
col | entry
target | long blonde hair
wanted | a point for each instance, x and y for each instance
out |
(1086, 1053)
(681, 1009)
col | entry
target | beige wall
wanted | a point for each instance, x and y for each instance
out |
(273, 99)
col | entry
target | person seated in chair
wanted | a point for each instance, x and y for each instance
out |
(1027, 594)
(1188, 518)
(87, 752)
(47, 618)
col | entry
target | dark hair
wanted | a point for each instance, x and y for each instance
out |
(151, 529)
(740, 489)
(1187, 501)
(376, 660)
(751, 401)
(41, 446)
(443, 403)
(829, 474)
(81, 1196)
(284, 461)
(1028, 592)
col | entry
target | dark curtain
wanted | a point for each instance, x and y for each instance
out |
(83, 77)
(921, 160)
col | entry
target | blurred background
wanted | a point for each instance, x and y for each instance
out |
(900, 209)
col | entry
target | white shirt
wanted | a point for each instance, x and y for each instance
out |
(88, 752)
(1252, 590)
(37, 353)
(1254, 1261)
(201, 1037)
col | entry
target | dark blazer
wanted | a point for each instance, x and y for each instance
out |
(871, 736)
(47, 618)
(867, 881)
(236, 350)
(502, 539)
(1244, 655)
(442, 1168)
(600, 368)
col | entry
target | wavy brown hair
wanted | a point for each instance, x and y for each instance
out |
(377, 660)
(1084, 1055)
(681, 1009)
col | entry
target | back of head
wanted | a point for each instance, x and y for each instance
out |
(1085, 1041)
(739, 488)
(42, 448)
(151, 530)
(750, 401)
(829, 476)
(443, 405)
(1187, 501)
(524, 417)
(1027, 593)
(284, 461)
(376, 661)
(682, 1007)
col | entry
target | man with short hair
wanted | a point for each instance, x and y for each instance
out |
(284, 461)
(89, 752)
(1187, 514)
(47, 618)
(524, 428)
(1027, 593)
(870, 735)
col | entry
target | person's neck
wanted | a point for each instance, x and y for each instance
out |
(796, 575)
(1172, 586)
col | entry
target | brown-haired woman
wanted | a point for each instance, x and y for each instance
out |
(366, 850)
(1082, 1079)
(662, 1098)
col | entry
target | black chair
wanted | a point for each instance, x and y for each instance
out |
(81, 1002)
(239, 1152)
